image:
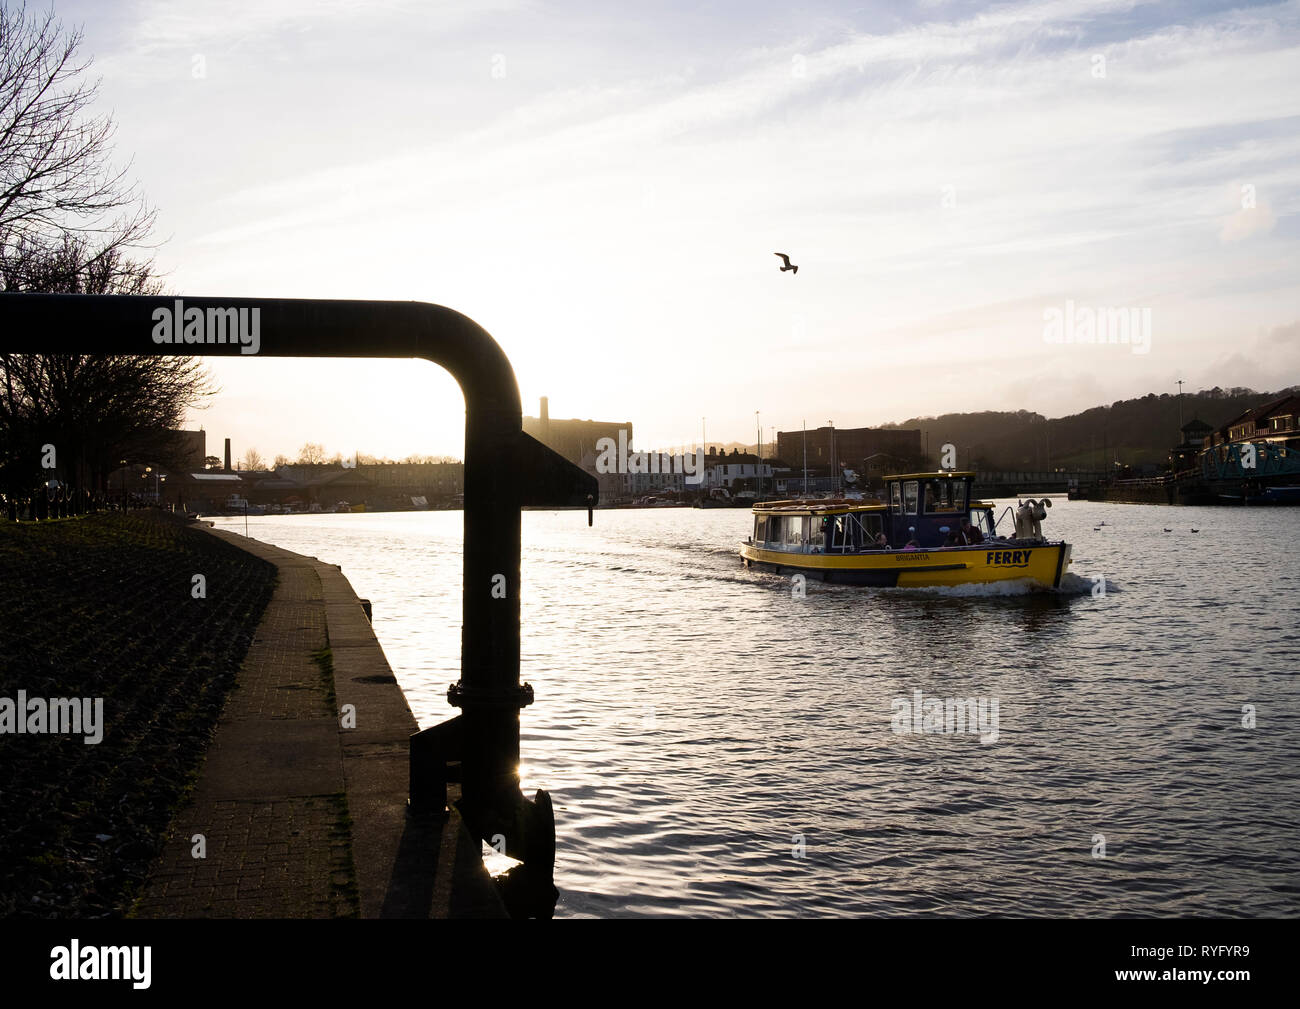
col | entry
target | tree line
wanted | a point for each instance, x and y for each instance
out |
(1132, 432)
(313, 454)
(72, 222)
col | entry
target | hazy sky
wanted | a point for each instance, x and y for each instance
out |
(603, 191)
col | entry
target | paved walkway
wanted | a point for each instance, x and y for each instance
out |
(300, 817)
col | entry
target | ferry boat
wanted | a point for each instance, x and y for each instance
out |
(913, 538)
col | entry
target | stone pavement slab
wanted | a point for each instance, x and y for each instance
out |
(301, 817)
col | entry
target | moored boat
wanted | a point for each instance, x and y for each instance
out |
(237, 505)
(926, 532)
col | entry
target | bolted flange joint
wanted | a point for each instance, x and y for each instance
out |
(479, 699)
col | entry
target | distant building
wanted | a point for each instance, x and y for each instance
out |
(737, 471)
(426, 479)
(191, 449)
(573, 439)
(1196, 433)
(1276, 421)
(668, 477)
(389, 485)
(851, 447)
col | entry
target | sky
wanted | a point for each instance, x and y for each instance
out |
(961, 185)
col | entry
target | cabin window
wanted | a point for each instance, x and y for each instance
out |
(846, 533)
(945, 496)
(816, 534)
(872, 526)
(910, 492)
(794, 531)
(775, 529)
(896, 496)
(760, 528)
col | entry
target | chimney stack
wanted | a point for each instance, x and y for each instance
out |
(227, 455)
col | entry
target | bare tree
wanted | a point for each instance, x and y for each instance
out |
(253, 460)
(95, 410)
(68, 221)
(311, 454)
(416, 458)
(282, 460)
(72, 264)
(56, 172)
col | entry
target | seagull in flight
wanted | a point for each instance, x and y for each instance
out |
(788, 264)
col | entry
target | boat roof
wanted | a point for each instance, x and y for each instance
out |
(839, 506)
(820, 506)
(930, 476)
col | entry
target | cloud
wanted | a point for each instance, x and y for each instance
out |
(1248, 221)
(662, 181)
(1288, 335)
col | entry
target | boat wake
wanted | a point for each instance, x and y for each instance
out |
(1071, 585)
(1078, 585)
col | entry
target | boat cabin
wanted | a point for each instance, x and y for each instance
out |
(926, 507)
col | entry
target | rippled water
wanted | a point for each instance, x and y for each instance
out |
(716, 747)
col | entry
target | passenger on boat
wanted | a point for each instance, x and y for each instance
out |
(954, 536)
(912, 544)
(881, 542)
(969, 533)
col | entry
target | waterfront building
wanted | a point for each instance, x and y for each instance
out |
(573, 439)
(870, 451)
(1275, 421)
(1195, 434)
(737, 471)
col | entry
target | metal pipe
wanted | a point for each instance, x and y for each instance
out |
(500, 466)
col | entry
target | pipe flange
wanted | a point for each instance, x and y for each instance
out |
(460, 696)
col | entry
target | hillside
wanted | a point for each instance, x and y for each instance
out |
(1131, 431)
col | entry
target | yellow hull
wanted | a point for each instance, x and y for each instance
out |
(1043, 563)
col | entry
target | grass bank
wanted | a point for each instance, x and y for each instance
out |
(105, 607)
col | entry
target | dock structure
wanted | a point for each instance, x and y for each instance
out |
(505, 470)
(299, 807)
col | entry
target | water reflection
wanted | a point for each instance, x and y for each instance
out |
(693, 719)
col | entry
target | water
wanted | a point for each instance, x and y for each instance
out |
(716, 747)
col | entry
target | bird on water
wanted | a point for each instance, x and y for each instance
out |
(786, 260)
